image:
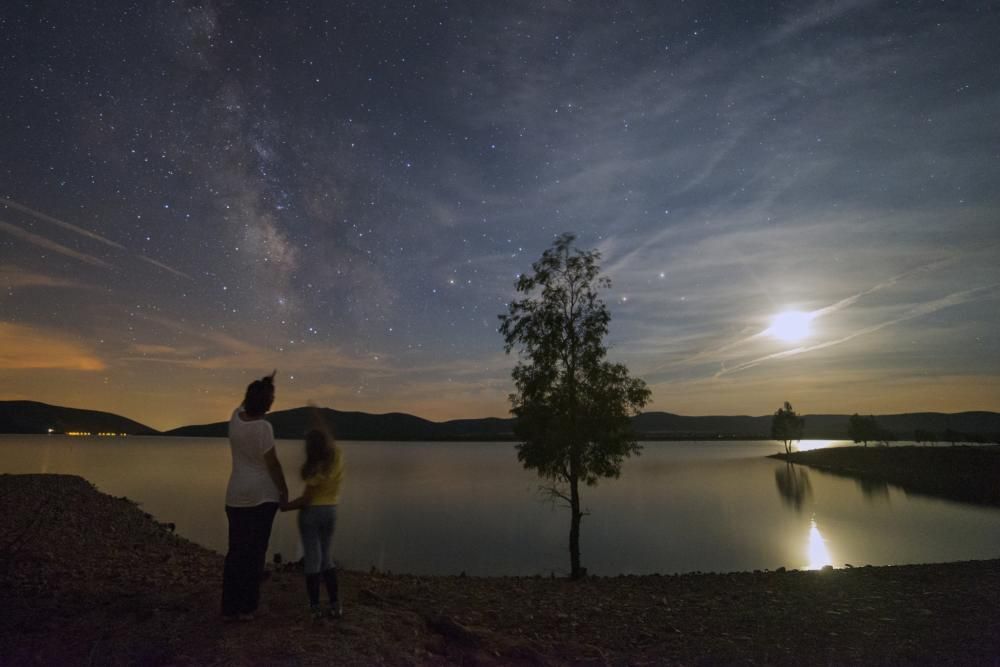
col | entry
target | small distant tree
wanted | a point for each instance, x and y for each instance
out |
(572, 407)
(860, 429)
(867, 429)
(787, 426)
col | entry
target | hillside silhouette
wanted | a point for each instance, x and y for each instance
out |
(34, 417)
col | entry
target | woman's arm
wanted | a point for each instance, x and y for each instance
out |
(301, 501)
(277, 474)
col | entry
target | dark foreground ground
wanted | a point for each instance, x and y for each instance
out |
(87, 578)
(965, 473)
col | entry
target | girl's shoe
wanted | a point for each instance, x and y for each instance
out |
(335, 610)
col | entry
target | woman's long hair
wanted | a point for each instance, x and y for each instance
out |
(320, 454)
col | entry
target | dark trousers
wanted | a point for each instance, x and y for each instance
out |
(249, 532)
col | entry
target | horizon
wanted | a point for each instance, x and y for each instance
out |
(410, 414)
(793, 203)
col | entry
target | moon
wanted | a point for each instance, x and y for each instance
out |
(790, 326)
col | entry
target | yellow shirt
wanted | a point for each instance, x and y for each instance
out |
(324, 488)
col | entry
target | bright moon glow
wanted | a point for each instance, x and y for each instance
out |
(790, 326)
(819, 556)
(809, 445)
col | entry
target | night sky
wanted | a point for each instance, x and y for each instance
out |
(194, 193)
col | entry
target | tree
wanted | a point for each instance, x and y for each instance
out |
(866, 429)
(787, 426)
(859, 429)
(572, 407)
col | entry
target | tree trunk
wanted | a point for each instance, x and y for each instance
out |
(576, 572)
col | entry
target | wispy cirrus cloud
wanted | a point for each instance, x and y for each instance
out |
(27, 347)
(46, 244)
(14, 276)
(808, 17)
(219, 350)
(60, 223)
(954, 299)
(76, 229)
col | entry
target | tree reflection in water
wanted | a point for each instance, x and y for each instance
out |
(793, 485)
(873, 489)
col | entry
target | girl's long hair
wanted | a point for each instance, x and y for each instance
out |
(320, 454)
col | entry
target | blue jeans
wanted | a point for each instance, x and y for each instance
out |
(316, 525)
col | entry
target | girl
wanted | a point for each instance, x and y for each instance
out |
(322, 473)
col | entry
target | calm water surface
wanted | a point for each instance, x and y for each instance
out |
(445, 508)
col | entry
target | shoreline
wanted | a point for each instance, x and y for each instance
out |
(89, 578)
(962, 473)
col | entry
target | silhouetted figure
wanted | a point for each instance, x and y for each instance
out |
(322, 473)
(256, 489)
(793, 485)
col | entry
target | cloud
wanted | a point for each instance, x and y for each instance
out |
(954, 299)
(38, 240)
(158, 350)
(45, 243)
(212, 349)
(711, 353)
(161, 265)
(24, 347)
(65, 225)
(13, 276)
(816, 15)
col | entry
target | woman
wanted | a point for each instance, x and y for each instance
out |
(255, 491)
(322, 473)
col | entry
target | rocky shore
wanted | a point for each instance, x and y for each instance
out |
(90, 579)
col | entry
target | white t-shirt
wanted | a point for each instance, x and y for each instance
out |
(250, 484)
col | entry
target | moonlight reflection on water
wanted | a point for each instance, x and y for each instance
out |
(819, 555)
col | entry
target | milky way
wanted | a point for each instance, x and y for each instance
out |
(196, 193)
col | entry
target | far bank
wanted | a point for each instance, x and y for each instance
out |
(968, 474)
(32, 417)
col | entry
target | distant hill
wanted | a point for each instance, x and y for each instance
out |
(366, 426)
(650, 426)
(34, 417)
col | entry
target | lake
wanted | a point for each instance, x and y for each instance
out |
(447, 508)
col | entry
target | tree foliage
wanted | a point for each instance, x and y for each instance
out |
(787, 426)
(572, 407)
(867, 429)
